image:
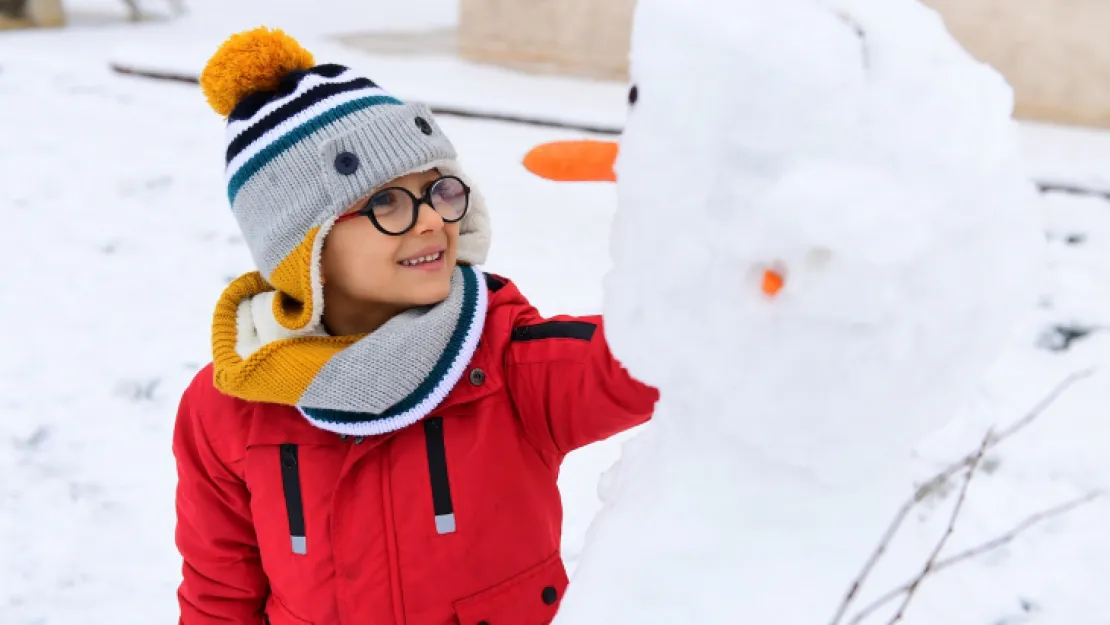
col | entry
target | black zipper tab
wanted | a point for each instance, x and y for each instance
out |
(294, 506)
(437, 468)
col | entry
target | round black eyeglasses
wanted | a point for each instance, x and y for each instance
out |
(394, 210)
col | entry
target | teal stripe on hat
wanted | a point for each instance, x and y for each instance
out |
(288, 140)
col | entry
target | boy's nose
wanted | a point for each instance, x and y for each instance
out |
(427, 219)
(574, 161)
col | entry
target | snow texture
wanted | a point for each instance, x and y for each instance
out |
(119, 240)
(864, 156)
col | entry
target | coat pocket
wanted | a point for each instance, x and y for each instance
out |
(278, 614)
(530, 598)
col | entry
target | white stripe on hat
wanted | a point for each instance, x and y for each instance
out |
(236, 127)
(288, 125)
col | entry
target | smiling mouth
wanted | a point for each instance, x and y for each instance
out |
(422, 260)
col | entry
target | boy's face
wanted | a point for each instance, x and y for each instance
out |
(362, 265)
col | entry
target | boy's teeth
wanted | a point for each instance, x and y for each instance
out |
(422, 259)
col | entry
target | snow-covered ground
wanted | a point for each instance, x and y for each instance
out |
(120, 240)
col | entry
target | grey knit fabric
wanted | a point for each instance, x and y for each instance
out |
(301, 188)
(398, 374)
(284, 178)
(387, 366)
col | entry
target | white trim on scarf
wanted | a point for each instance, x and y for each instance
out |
(442, 388)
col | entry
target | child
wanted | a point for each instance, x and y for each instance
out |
(379, 436)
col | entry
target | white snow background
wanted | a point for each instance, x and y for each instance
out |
(119, 240)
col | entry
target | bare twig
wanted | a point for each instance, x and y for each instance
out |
(1012, 429)
(924, 489)
(865, 53)
(600, 129)
(452, 111)
(1071, 189)
(931, 562)
(1009, 536)
(978, 550)
(155, 74)
(888, 536)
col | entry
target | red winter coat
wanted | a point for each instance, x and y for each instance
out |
(252, 475)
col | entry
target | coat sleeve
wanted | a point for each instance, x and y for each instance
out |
(568, 387)
(223, 581)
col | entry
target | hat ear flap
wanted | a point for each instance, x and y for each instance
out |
(299, 302)
(474, 230)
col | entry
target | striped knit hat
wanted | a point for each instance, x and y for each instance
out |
(304, 141)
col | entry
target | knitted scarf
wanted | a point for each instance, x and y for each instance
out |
(357, 385)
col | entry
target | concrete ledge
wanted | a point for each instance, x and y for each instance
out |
(583, 38)
(1056, 53)
(31, 14)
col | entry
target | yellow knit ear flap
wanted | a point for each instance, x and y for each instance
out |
(249, 62)
(295, 306)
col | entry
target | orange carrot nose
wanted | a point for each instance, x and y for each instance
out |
(573, 161)
(772, 282)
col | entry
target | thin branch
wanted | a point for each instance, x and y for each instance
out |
(931, 562)
(978, 550)
(155, 74)
(1057, 187)
(600, 129)
(452, 111)
(1014, 428)
(924, 489)
(865, 52)
(888, 536)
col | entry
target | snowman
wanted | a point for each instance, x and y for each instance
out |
(823, 239)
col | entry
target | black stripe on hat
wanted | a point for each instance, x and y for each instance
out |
(249, 106)
(314, 95)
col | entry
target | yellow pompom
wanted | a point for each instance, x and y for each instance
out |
(248, 62)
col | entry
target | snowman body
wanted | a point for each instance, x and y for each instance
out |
(855, 150)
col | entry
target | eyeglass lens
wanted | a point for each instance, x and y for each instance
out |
(394, 210)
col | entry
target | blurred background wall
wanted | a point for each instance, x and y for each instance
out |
(587, 38)
(1056, 53)
(30, 13)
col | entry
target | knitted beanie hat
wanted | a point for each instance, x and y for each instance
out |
(304, 142)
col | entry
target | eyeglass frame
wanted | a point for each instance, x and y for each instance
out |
(426, 198)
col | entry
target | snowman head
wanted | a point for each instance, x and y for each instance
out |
(825, 222)
(728, 112)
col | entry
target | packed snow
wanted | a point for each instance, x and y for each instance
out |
(121, 240)
(872, 164)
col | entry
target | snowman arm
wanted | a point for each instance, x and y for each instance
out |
(568, 387)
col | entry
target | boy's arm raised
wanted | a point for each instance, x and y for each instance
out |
(568, 386)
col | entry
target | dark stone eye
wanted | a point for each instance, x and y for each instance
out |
(633, 95)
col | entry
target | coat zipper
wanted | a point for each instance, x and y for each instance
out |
(437, 469)
(294, 504)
